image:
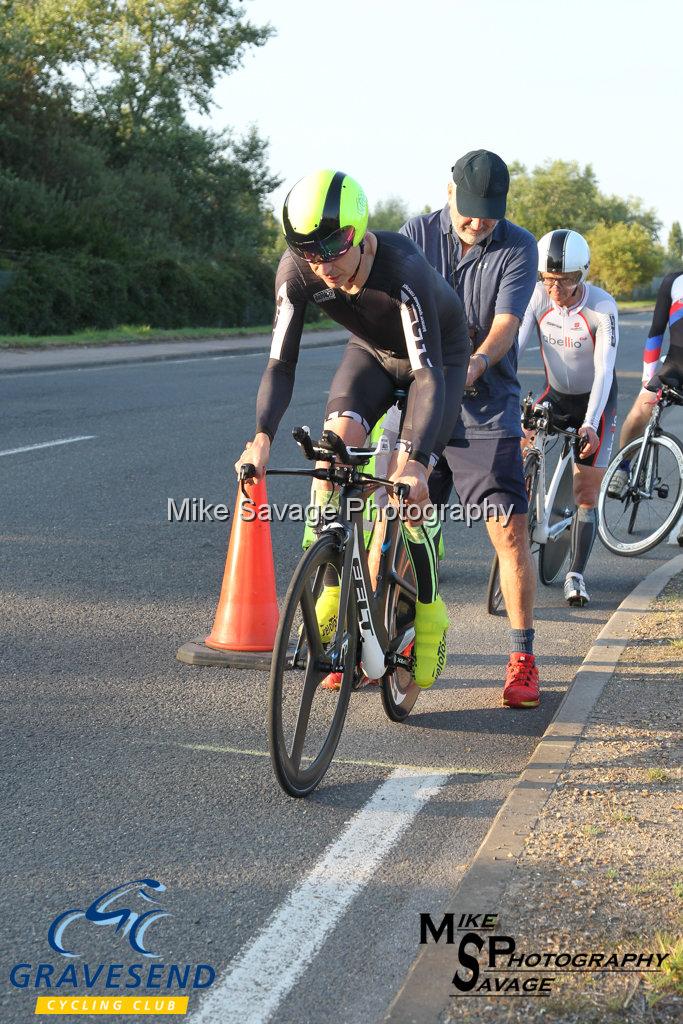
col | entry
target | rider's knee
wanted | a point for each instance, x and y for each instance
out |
(351, 427)
(512, 538)
(642, 408)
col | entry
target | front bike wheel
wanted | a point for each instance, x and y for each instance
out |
(650, 506)
(305, 724)
(398, 688)
(553, 554)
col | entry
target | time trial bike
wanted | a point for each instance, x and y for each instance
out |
(374, 632)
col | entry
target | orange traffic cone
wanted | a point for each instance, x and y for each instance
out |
(246, 619)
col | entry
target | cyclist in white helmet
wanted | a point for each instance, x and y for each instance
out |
(577, 326)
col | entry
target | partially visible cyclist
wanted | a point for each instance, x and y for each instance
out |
(409, 330)
(668, 312)
(578, 329)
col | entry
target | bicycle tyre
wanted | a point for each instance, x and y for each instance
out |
(530, 468)
(494, 594)
(606, 531)
(295, 780)
(398, 689)
(554, 553)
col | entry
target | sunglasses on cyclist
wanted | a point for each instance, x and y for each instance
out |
(326, 249)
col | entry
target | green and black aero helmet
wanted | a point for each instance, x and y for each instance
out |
(325, 214)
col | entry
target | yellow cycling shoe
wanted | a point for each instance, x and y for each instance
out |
(431, 624)
(326, 612)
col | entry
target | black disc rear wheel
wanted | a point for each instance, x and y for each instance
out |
(554, 553)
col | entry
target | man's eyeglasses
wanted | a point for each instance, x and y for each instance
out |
(570, 281)
(325, 250)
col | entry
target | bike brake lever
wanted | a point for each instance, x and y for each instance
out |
(247, 472)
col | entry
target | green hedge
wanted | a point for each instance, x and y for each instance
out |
(52, 293)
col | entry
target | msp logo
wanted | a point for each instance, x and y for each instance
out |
(492, 964)
(127, 922)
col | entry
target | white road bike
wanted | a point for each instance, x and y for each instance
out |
(551, 507)
(649, 505)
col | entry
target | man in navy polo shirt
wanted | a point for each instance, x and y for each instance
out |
(493, 265)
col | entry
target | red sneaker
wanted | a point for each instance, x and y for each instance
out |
(332, 681)
(521, 682)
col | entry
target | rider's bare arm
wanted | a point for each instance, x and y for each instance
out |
(495, 345)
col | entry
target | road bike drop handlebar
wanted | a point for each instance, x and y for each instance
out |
(542, 417)
(666, 393)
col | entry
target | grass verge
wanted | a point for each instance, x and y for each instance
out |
(636, 306)
(129, 334)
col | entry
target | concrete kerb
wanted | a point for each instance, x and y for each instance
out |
(424, 997)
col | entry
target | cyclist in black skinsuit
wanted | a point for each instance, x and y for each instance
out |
(409, 330)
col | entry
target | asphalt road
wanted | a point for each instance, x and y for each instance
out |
(120, 763)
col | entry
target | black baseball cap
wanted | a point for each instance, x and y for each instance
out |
(481, 181)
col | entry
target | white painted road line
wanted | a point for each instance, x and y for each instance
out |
(431, 769)
(49, 444)
(267, 969)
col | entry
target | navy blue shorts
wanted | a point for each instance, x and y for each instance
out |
(489, 469)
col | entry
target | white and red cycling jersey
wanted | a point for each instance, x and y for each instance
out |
(578, 345)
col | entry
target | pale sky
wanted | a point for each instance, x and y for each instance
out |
(394, 92)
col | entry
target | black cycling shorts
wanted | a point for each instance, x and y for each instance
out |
(363, 389)
(573, 407)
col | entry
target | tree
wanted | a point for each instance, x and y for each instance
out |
(614, 210)
(113, 209)
(562, 195)
(137, 63)
(623, 256)
(674, 247)
(388, 214)
(559, 194)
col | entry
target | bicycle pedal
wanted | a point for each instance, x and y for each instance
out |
(361, 681)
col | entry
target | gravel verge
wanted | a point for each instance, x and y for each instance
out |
(602, 869)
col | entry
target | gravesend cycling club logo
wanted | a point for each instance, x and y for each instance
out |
(128, 914)
(488, 964)
(127, 922)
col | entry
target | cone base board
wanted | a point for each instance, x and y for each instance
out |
(195, 652)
